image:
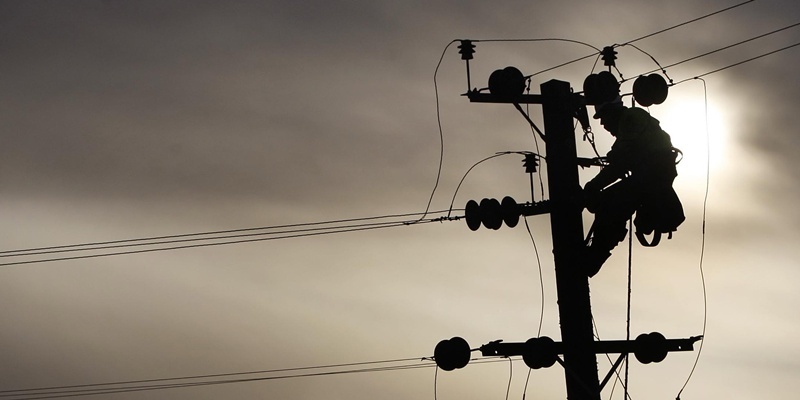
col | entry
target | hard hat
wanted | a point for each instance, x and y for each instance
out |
(603, 108)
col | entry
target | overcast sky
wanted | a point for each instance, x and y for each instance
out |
(131, 119)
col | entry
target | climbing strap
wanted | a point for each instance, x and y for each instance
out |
(656, 238)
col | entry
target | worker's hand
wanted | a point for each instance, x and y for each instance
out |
(591, 196)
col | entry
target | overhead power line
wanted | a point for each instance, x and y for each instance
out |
(193, 379)
(740, 63)
(724, 48)
(688, 22)
(54, 392)
(207, 239)
(646, 36)
(18, 252)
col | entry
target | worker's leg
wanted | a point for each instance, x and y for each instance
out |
(615, 207)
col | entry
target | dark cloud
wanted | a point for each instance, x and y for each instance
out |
(125, 119)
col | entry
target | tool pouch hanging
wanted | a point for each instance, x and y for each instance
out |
(661, 213)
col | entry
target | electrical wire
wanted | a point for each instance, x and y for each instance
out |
(238, 240)
(231, 378)
(539, 40)
(630, 291)
(688, 22)
(41, 250)
(205, 380)
(150, 242)
(541, 278)
(702, 241)
(510, 375)
(441, 131)
(723, 48)
(499, 154)
(739, 63)
(435, 383)
(646, 36)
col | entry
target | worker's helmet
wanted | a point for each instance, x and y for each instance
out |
(605, 108)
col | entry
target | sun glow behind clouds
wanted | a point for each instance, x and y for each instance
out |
(699, 131)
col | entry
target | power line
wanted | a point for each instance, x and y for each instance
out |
(71, 249)
(238, 240)
(139, 388)
(646, 36)
(724, 48)
(739, 63)
(13, 253)
(107, 385)
(207, 380)
(688, 22)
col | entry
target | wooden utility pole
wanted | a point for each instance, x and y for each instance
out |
(566, 224)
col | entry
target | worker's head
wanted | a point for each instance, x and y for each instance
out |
(608, 113)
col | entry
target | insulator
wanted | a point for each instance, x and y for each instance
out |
(472, 213)
(530, 163)
(650, 89)
(540, 353)
(600, 88)
(609, 56)
(451, 354)
(491, 214)
(507, 82)
(651, 347)
(510, 211)
(466, 49)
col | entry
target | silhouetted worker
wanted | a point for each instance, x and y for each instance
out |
(643, 160)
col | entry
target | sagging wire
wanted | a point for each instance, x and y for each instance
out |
(499, 154)
(439, 124)
(510, 375)
(435, 383)
(662, 69)
(541, 279)
(630, 291)
(703, 239)
(541, 287)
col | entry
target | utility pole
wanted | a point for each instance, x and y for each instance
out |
(565, 206)
(566, 225)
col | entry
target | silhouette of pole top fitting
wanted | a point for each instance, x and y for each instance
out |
(635, 178)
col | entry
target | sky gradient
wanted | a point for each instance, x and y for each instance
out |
(130, 119)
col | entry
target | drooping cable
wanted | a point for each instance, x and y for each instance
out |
(527, 379)
(435, 383)
(628, 319)
(510, 375)
(499, 154)
(702, 241)
(541, 287)
(539, 40)
(541, 278)
(441, 131)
